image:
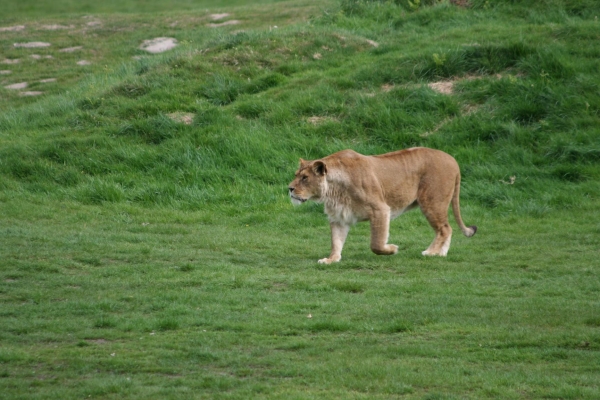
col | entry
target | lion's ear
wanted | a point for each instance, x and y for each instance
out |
(320, 168)
(303, 163)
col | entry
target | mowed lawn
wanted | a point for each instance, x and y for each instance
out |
(148, 247)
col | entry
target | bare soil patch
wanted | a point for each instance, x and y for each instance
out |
(182, 117)
(70, 49)
(32, 44)
(231, 22)
(444, 87)
(15, 28)
(317, 120)
(55, 27)
(158, 45)
(31, 93)
(216, 17)
(372, 42)
(16, 86)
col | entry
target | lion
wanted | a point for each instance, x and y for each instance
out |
(355, 187)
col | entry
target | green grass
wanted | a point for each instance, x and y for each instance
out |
(141, 257)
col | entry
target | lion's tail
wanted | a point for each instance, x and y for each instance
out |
(467, 231)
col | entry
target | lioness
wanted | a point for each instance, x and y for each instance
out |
(379, 188)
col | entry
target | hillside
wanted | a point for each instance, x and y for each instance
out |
(148, 247)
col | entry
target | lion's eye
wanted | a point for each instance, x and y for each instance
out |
(304, 178)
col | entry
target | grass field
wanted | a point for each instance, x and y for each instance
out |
(148, 248)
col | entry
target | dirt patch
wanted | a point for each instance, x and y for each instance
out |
(38, 57)
(32, 44)
(5, 72)
(466, 111)
(15, 28)
(216, 17)
(444, 87)
(387, 87)
(182, 117)
(232, 22)
(84, 62)
(158, 45)
(16, 86)
(9, 61)
(32, 93)
(320, 120)
(48, 80)
(372, 43)
(55, 27)
(70, 49)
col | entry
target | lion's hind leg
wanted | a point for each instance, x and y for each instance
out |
(437, 216)
(441, 242)
(434, 200)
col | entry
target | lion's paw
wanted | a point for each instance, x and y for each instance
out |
(428, 253)
(328, 260)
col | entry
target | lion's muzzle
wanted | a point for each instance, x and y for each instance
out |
(295, 199)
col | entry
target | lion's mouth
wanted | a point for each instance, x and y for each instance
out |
(297, 200)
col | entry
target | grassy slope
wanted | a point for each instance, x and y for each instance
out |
(142, 257)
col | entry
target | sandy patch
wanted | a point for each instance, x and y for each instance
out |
(444, 87)
(32, 93)
(16, 86)
(387, 87)
(319, 120)
(94, 23)
(55, 27)
(38, 57)
(436, 128)
(70, 49)
(9, 61)
(84, 62)
(5, 72)
(372, 42)
(216, 17)
(232, 22)
(47, 80)
(158, 45)
(182, 117)
(15, 28)
(32, 44)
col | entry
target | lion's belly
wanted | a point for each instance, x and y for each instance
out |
(396, 213)
(343, 214)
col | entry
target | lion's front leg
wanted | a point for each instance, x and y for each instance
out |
(339, 232)
(380, 229)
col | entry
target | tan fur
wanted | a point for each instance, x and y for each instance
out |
(379, 188)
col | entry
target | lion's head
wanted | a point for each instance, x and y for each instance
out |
(309, 183)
